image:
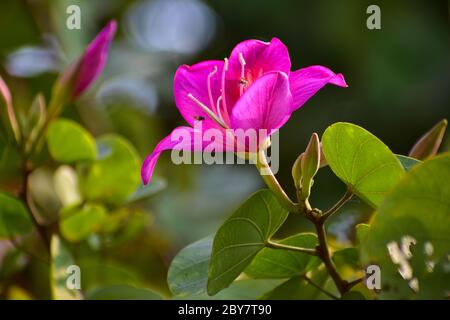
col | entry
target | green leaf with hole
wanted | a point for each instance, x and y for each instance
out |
(242, 236)
(361, 161)
(78, 222)
(414, 222)
(14, 217)
(188, 272)
(62, 267)
(276, 263)
(69, 142)
(114, 175)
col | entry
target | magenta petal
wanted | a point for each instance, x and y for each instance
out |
(93, 61)
(194, 80)
(304, 83)
(181, 138)
(260, 57)
(264, 105)
(186, 139)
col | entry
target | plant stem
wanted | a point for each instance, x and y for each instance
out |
(353, 283)
(324, 254)
(273, 184)
(332, 296)
(348, 194)
(275, 245)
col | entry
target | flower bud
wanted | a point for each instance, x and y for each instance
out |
(310, 163)
(428, 145)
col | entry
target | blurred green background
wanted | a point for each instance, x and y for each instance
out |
(399, 81)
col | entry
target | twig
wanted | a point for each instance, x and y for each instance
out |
(324, 255)
(332, 296)
(348, 194)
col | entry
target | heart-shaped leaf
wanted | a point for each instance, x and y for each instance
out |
(188, 272)
(361, 161)
(275, 263)
(242, 236)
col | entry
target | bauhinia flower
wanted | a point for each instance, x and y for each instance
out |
(85, 70)
(252, 89)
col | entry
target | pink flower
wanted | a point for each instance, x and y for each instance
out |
(253, 89)
(89, 66)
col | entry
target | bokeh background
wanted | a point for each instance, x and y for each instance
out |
(399, 87)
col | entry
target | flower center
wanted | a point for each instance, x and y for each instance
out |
(218, 111)
(243, 83)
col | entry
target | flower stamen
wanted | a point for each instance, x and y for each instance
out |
(208, 111)
(242, 81)
(224, 101)
(211, 101)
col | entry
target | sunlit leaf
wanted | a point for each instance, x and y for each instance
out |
(242, 236)
(65, 182)
(79, 222)
(361, 232)
(69, 142)
(276, 263)
(61, 261)
(361, 161)
(114, 176)
(14, 217)
(411, 230)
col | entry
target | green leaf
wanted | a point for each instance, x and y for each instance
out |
(65, 182)
(14, 217)
(78, 222)
(188, 272)
(361, 232)
(245, 289)
(297, 288)
(353, 295)
(361, 161)
(417, 209)
(407, 162)
(61, 261)
(114, 176)
(69, 142)
(242, 236)
(122, 292)
(276, 263)
(348, 257)
(144, 192)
